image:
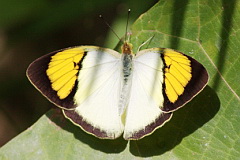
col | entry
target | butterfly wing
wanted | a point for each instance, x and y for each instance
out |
(184, 79)
(97, 96)
(163, 81)
(55, 75)
(85, 82)
(143, 114)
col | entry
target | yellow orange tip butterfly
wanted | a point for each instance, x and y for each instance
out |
(108, 94)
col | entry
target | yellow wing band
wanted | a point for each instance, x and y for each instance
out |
(177, 73)
(63, 69)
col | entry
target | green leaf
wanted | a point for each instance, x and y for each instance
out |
(206, 128)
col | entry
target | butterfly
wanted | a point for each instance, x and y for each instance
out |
(108, 94)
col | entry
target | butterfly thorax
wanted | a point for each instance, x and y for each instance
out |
(126, 48)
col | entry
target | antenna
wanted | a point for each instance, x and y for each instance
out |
(129, 10)
(100, 16)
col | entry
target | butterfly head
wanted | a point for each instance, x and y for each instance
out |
(126, 48)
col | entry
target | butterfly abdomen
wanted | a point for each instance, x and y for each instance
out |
(127, 66)
(126, 75)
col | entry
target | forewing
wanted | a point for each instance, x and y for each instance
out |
(184, 79)
(85, 82)
(55, 75)
(163, 81)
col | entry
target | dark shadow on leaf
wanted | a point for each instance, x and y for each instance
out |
(107, 146)
(179, 9)
(184, 122)
(227, 18)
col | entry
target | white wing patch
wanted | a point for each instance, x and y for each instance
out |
(149, 68)
(146, 96)
(98, 92)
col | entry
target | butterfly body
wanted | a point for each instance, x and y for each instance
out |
(108, 94)
(127, 67)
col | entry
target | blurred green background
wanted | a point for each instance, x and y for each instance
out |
(32, 28)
